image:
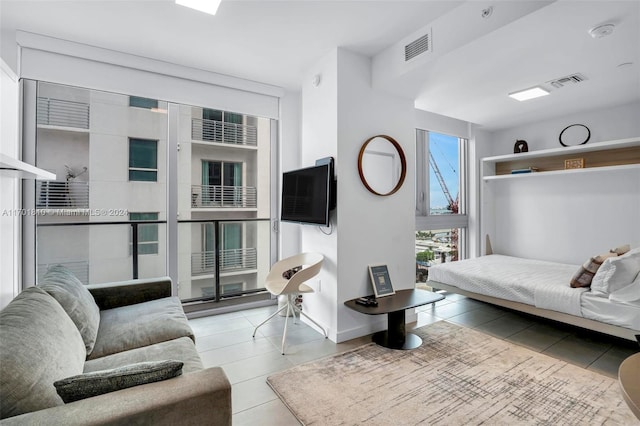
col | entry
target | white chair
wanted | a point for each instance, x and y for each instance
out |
(278, 285)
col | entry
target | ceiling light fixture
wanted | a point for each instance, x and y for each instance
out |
(206, 6)
(601, 30)
(526, 94)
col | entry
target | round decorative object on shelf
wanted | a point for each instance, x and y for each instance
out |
(574, 134)
(520, 146)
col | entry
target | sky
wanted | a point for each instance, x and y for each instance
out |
(445, 152)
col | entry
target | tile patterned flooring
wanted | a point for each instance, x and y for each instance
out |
(225, 340)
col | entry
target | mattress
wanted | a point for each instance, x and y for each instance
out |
(534, 282)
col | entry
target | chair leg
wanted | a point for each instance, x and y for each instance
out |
(301, 312)
(263, 322)
(284, 335)
(292, 302)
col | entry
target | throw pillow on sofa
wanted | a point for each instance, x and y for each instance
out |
(76, 300)
(99, 382)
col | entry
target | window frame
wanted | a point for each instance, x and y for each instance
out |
(141, 102)
(143, 169)
(426, 221)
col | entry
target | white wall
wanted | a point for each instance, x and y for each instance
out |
(565, 218)
(338, 116)
(289, 158)
(9, 187)
(618, 122)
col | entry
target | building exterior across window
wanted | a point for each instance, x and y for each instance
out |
(110, 153)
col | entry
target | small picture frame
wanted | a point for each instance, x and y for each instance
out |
(574, 163)
(380, 280)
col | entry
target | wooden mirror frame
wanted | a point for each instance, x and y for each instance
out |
(403, 165)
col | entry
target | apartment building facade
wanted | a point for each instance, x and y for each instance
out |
(107, 214)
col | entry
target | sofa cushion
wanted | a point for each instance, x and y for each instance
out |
(100, 382)
(182, 349)
(76, 300)
(142, 324)
(39, 344)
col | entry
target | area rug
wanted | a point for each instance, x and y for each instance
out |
(458, 376)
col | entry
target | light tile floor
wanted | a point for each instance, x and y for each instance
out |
(225, 340)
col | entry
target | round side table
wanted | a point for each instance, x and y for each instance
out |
(629, 378)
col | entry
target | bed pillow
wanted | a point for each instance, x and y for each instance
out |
(585, 274)
(628, 294)
(617, 272)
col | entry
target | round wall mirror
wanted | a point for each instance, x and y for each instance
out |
(382, 165)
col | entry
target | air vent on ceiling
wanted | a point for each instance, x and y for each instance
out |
(564, 81)
(418, 47)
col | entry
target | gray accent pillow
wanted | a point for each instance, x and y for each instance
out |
(76, 300)
(99, 382)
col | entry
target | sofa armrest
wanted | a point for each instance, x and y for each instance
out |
(201, 397)
(123, 293)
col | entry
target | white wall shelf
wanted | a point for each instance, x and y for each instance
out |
(622, 154)
(562, 172)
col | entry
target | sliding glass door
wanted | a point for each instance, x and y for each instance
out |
(106, 215)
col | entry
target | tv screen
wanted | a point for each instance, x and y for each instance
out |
(306, 195)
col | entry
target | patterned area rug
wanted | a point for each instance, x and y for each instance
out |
(457, 377)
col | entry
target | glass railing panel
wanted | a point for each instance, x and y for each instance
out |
(102, 252)
(239, 266)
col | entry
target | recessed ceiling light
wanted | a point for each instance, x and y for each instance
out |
(526, 94)
(206, 6)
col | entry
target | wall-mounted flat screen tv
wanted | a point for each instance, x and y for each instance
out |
(307, 195)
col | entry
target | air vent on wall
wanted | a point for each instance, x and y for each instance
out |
(570, 79)
(418, 47)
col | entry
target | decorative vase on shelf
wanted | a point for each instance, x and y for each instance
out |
(520, 146)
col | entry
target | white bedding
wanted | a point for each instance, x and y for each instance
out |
(534, 282)
(599, 308)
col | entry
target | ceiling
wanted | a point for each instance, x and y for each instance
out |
(476, 62)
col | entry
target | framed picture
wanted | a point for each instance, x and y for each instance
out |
(380, 280)
(574, 163)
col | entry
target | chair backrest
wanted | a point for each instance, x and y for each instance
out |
(311, 264)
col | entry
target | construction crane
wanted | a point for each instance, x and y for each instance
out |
(453, 206)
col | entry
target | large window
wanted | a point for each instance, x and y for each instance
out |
(143, 160)
(441, 219)
(199, 208)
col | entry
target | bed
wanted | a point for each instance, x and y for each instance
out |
(542, 288)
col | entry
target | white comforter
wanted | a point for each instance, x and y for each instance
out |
(534, 282)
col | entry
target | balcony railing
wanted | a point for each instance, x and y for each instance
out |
(235, 260)
(221, 132)
(62, 195)
(79, 268)
(213, 196)
(58, 112)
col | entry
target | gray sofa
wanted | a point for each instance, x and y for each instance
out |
(89, 335)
